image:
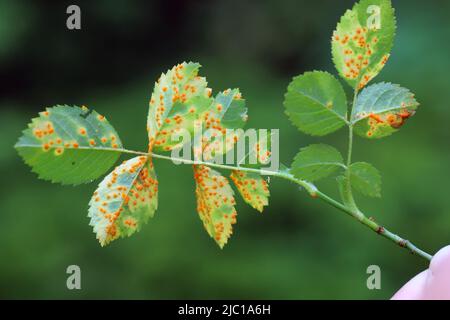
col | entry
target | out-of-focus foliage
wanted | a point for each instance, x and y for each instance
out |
(299, 248)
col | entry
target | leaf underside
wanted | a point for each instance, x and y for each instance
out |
(381, 109)
(124, 200)
(316, 103)
(253, 188)
(69, 145)
(316, 161)
(362, 41)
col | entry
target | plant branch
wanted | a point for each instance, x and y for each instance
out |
(311, 189)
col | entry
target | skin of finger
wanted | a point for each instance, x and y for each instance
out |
(431, 284)
(413, 289)
(437, 285)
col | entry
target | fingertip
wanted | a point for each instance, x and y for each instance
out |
(441, 261)
(413, 289)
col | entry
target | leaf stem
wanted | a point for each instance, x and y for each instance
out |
(311, 189)
(350, 146)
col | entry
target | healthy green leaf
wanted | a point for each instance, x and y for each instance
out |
(179, 97)
(381, 109)
(363, 40)
(316, 103)
(366, 179)
(215, 203)
(70, 145)
(316, 161)
(252, 187)
(124, 200)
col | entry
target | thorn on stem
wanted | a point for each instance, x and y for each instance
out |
(380, 230)
(403, 243)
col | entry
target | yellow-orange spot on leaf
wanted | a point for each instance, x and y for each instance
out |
(59, 151)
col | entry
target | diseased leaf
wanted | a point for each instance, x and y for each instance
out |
(381, 109)
(366, 179)
(70, 145)
(252, 187)
(257, 153)
(124, 200)
(316, 161)
(227, 111)
(179, 97)
(362, 41)
(215, 203)
(316, 103)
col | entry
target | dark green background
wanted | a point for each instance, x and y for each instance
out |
(299, 247)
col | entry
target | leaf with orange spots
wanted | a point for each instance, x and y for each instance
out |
(252, 187)
(215, 203)
(382, 109)
(316, 103)
(257, 153)
(227, 111)
(70, 145)
(124, 200)
(362, 41)
(178, 99)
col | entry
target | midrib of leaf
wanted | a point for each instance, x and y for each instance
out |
(322, 105)
(338, 164)
(120, 150)
(378, 111)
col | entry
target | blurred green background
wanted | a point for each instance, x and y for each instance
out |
(299, 248)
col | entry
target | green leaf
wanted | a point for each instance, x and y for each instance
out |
(381, 109)
(70, 145)
(179, 97)
(215, 203)
(316, 161)
(362, 41)
(252, 187)
(366, 179)
(315, 102)
(124, 200)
